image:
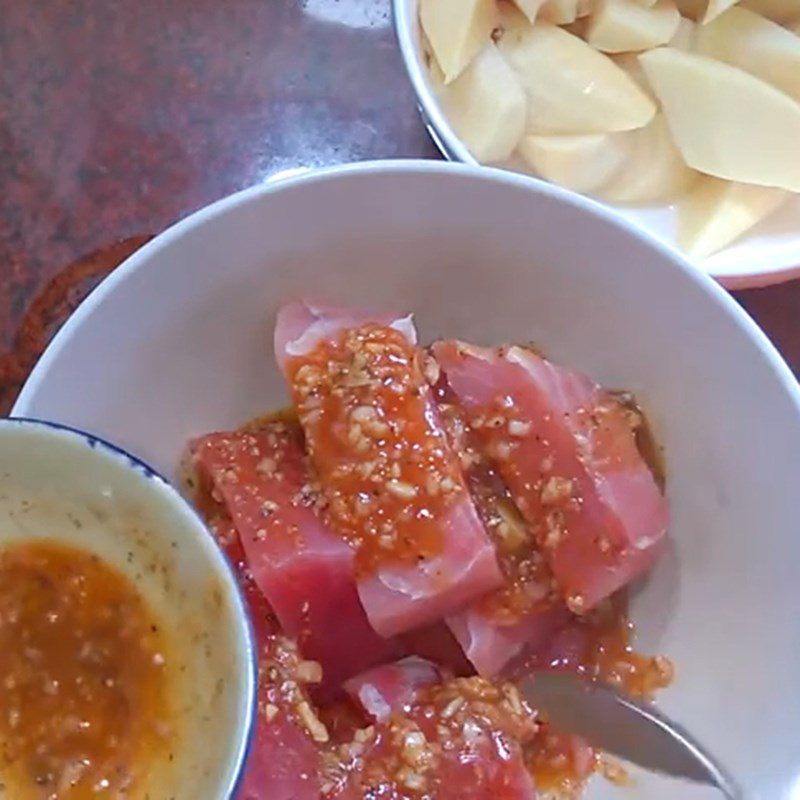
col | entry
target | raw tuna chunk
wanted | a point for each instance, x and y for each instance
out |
(394, 487)
(284, 760)
(527, 610)
(282, 764)
(262, 616)
(490, 644)
(392, 687)
(459, 740)
(306, 573)
(567, 451)
(437, 643)
(303, 324)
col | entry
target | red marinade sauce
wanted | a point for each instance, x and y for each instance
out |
(83, 695)
(430, 743)
(387, 469)
(381, 761)
(599, 647)
(529, 581)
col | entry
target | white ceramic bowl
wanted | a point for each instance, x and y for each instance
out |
(770, 253)
(60, 484)
(177, 342)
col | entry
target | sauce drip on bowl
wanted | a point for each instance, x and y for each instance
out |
(82, 676)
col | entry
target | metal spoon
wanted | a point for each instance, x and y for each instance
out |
(632, 731)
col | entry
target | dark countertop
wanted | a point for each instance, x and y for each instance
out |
(116, 119)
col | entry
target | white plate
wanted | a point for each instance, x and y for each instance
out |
(177, 342)
(769, 253)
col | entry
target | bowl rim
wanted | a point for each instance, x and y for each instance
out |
(133, 463)
(421, 167)
(453, 149)
(440, 130)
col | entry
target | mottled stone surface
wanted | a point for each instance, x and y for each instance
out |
(117, 118)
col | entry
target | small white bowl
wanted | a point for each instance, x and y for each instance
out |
(63, 485)
(769, 253)
(177, 342)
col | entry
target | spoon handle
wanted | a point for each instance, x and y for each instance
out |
(633, 731)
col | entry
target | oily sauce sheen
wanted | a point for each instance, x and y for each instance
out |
(529, 582)
(82, 677)
(389, 474)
